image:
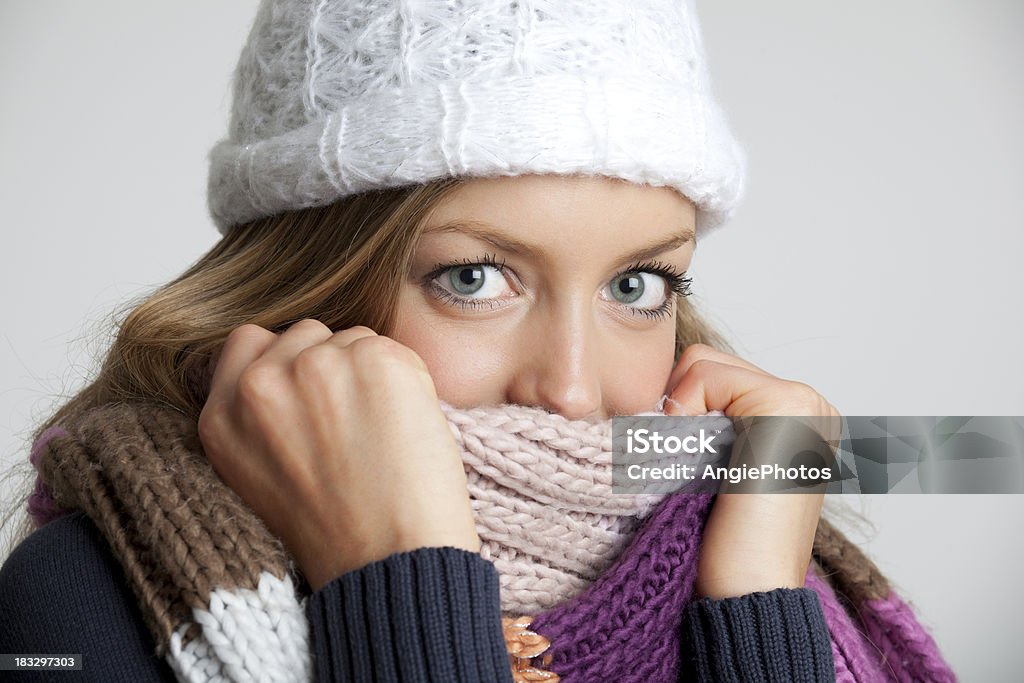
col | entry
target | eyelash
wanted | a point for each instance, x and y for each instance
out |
(679, 283)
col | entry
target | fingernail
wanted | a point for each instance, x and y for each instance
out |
(670, 406)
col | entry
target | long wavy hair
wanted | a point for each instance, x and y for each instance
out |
(342, 264)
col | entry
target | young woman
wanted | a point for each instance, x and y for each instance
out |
(455, 244)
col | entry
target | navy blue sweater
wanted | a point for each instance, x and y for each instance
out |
(432, 614)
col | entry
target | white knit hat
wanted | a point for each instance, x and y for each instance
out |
(337, 97)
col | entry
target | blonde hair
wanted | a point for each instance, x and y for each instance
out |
(343, 264)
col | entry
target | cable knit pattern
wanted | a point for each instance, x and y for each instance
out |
(336, 98)
(609, 576)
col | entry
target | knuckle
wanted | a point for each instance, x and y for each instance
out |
(695, 352)
(808, 396)
(701, 365)
(315, 361)
(374, 345)
(211, 422)
(383, 354)
(416, 360)
(259, 382)
(362, 328)
(246, 334)
(805, 390)
(309, 325)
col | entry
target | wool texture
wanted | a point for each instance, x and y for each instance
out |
(604, 576)
(336, 98)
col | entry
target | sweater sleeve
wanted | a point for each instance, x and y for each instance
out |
(63, 592)
(430, 614)
(776, 635)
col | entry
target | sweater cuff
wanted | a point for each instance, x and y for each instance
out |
(777, 635)
(425, 614)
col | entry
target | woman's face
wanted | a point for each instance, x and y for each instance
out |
(549, 291)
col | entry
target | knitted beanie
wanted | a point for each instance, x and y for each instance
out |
(335, 98)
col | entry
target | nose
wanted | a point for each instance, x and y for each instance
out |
(557, 367)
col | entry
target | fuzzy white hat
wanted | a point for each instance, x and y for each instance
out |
(333, 98)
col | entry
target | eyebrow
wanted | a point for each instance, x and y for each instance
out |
(507, 243)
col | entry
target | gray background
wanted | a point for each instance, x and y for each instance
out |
(874, 257)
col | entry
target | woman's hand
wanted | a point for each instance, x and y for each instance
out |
(338, 442)
(751, 542)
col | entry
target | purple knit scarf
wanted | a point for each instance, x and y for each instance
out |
(634, 609)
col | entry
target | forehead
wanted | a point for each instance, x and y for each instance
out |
(532, 206)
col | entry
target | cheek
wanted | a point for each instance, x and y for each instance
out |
(639, 371)
(464, 376)
(465, 365)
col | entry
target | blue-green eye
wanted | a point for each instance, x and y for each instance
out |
(485, 280)
(466, 279)
(470, 284)
(639, 290)
(647, 288)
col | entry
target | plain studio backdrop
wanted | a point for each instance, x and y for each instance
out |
(876, 256)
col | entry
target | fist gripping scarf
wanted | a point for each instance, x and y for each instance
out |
(588, 579)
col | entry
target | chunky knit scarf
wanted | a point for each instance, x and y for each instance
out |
(586, 576)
